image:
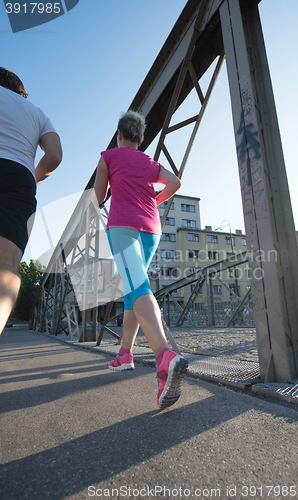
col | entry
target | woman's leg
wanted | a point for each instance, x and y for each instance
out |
(171, 367)
(133, 252)
(129, 254)
(131, 325)
(148, 314)
(145, 305)
(121, 241)
(130, 329)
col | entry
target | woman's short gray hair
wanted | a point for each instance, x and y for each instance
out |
(132, 126)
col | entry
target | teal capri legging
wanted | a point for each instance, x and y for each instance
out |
(132, 251)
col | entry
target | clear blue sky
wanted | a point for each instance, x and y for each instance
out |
(84, 68)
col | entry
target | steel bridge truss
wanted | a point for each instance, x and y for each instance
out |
(206, 32)
(206, 276)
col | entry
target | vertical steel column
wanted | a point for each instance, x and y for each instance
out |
(209, 283)
(85, 274)
(266, 202)
(58, 292)
(95, 280)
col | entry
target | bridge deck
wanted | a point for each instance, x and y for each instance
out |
(70, 426)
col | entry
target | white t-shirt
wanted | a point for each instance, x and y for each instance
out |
(21, 126)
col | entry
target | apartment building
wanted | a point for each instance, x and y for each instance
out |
(185, 247)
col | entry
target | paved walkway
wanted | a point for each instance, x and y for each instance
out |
(72, 429)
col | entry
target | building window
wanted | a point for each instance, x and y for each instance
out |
(234, 273)
(233, 287)
(187, 208)
(168, 237)
(212, 238)
(244, 242)
(193, 237)
(188, 223)
(192, 288)
(199, 306)
(228, 240)
(170, 221)
(167, 254)
(216, 289)
(193, 254)
(213, 255)
(170, 271)
(165, 204)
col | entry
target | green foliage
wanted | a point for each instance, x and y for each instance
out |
(31, 275)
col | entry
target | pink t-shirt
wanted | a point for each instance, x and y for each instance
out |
(132, 178)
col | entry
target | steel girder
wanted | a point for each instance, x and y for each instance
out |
(208, 30)
(270, 230)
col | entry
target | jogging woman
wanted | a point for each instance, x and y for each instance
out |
(133, 232)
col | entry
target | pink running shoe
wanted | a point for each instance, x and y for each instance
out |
(170, 373)
(124, 362)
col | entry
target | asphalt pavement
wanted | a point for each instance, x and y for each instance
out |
(73, 429)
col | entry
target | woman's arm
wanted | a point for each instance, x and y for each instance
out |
(101, 184)
(172, 185)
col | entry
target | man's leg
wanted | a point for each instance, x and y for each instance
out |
(10, 280)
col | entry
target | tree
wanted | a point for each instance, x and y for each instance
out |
(31, 275)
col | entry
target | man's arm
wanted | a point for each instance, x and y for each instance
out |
(51, 146)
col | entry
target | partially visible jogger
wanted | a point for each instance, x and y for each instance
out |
(23, 127)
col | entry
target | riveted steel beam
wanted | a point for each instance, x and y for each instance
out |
(270, 231)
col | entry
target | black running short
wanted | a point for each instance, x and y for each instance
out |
(17, 202)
